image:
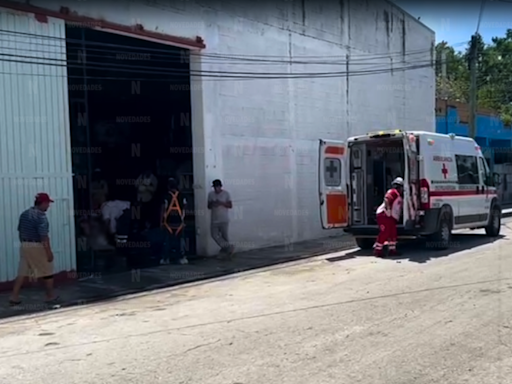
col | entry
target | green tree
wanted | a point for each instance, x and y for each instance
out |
(456, 83)
(494, 74)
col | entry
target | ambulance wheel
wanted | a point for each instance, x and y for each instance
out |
(364, 243)
(494, 227)
(442, 238)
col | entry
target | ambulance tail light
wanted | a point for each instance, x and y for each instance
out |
(424, 194)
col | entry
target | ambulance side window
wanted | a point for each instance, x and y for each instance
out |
(486, 174)
(332, 172)
(467, 170)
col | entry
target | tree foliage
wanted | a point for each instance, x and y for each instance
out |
(494, 74)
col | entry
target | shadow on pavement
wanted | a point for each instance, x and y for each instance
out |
(419, 252)
(102, 288)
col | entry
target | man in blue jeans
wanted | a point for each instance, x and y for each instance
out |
(173, 224)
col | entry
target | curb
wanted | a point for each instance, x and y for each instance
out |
(203, 278)
(227, 273)
(506, 214)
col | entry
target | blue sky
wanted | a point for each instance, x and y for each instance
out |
(455, 22)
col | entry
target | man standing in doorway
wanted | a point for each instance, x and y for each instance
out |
(219, 202)
(36, 256)
(173, 222)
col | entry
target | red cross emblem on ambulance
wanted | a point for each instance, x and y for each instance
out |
(445, 171)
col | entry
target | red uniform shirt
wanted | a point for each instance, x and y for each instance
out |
(391, 195)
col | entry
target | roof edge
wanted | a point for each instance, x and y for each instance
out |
(390, 2)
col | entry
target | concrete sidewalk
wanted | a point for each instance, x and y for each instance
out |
(111, 286)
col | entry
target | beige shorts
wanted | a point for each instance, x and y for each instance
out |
(33, 261)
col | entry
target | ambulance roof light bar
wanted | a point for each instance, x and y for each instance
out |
(383, 134)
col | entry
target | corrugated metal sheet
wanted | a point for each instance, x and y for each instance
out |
(35, 146)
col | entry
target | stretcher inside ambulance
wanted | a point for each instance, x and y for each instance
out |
(355, 175)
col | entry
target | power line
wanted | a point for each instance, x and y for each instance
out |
(104, 65)
(42, 60)
(284, 59)
(218, 74)
(480, 15)
(212, 55)
(176, 58)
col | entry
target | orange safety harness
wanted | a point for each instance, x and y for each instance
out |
(174, 206)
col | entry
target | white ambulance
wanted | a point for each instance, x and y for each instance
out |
(447, 185)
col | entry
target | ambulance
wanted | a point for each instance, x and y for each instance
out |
(447, 185)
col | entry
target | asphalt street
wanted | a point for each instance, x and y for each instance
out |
(425, 318)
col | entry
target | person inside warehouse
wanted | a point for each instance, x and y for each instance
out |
(146, 185)
(173, 224)
(388, 216)
(117, 217)
(99, 189)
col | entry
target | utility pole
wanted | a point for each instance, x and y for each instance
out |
(473, 56)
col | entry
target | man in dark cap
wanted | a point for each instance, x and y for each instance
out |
(219, 202)
(173, 223)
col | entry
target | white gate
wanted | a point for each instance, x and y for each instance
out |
(35, 146)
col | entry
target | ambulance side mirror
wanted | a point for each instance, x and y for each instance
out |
(496, 178)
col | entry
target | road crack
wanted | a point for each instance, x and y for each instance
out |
(200, 346)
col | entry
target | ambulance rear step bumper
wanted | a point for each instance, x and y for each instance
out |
(371, 231)
(427, 226)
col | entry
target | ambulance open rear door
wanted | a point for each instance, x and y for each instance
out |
(332, 176)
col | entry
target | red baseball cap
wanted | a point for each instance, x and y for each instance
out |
(43, 197)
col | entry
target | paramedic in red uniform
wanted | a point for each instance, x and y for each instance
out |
(388, 215)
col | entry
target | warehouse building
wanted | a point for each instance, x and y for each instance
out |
(202, 91)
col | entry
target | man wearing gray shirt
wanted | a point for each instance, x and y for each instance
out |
(219, 202)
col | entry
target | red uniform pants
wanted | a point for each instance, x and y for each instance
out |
(387, 233)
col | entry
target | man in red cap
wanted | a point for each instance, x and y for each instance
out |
(36, 256)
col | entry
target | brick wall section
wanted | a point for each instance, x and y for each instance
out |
(262, 136)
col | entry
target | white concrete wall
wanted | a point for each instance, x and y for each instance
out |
(260, 136)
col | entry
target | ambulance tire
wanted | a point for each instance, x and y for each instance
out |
(364, 243)
(442, 238)
(494, 227)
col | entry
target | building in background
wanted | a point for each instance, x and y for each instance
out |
(257, 87)
(493, 136)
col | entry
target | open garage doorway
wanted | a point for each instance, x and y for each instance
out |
(130, 111)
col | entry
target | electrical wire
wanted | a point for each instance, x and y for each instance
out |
(232, 75)
(480, 15)
(134, 57)
(131, 66)
(60, 40)
(178, 57)
(239, 75)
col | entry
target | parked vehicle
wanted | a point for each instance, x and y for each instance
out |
(447, 185)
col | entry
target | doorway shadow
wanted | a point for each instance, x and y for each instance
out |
(419, 252)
